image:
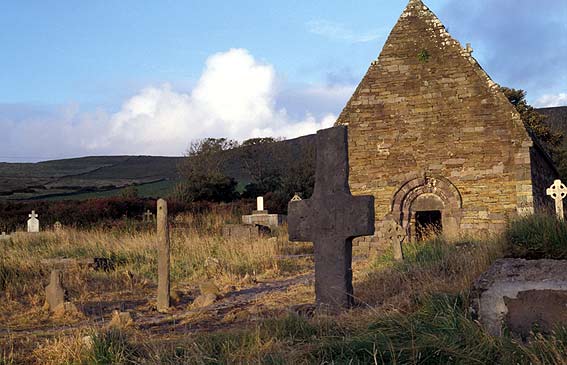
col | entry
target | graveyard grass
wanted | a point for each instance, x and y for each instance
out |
(410, 312)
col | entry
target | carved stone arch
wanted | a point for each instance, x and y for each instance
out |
(434, 192)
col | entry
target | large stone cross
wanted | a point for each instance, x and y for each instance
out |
(331, 219)
(558, 191)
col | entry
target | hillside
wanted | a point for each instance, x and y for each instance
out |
(556, 117)
(104, 176)
(78, 175)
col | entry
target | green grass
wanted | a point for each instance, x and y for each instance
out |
(440, 331)
(538, 237)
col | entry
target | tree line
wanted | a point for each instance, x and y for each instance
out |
(271, 167)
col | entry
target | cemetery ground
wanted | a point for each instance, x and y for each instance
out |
(261, 311)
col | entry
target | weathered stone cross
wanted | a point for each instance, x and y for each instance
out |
(331, 219)
(33, 222)
(148, 216)
(558, 191)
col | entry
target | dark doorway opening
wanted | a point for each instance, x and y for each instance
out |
(427, 224)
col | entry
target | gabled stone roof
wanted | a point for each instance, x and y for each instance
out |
(416, 25)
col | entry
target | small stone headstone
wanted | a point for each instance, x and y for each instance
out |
(54, 292)
(209, 294)
(393, 234)
(259, 206)
(148, 216)
(260, 203)
(57, 227)
(33, 223)
(557, 192)
(4, 236)
(121, 320)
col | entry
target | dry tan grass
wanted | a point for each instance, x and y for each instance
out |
(200, 253)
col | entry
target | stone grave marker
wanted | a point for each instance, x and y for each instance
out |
(33, 223)
(163, 295)
(57, 226)
(148, 216)
(557, 192)
(260, 206)
(4, 236)
(330, 219)
(394, 234)
(262, 217)
(54, 292)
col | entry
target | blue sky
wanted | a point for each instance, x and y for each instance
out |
(146, 77)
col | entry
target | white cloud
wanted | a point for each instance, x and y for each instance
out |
(552, 100)
(234, 97)
(337, 31)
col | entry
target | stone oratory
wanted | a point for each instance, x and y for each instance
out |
(436, 142)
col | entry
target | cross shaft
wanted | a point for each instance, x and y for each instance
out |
(331, 219)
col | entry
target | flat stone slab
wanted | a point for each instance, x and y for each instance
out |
(240, 231)
(521, 295)
(269, 220)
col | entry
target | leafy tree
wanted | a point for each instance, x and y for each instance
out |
(202, 175)
(262, 160)
(553, 141)
(533, 121)
(279, 171)
(130, 192)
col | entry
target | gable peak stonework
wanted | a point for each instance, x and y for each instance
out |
(433, 138)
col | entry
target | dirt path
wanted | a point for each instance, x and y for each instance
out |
(233, 309)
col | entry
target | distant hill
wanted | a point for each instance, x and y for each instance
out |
(556, 117)
(81, 175)
(104, 176)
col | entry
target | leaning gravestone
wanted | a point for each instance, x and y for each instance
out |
(54, 292)
(163, 294)
(33, 223)
(331, 219)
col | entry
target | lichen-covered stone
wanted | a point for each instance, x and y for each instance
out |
(521, 295)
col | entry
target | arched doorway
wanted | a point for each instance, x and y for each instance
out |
(427, 206)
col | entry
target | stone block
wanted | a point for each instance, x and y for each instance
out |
(269, 220)
(240, 231)
(520, 295)
(54, 292)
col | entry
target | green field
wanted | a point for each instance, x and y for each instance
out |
(156, 189)
(87, 177)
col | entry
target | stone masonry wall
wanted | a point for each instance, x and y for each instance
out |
(426, 108)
